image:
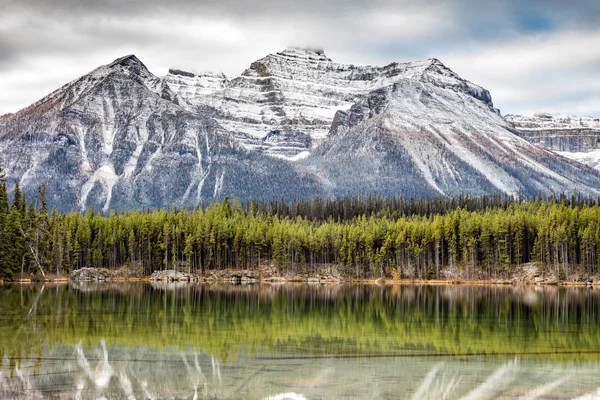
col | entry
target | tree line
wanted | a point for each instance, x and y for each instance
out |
(347, 208)
(481, 237)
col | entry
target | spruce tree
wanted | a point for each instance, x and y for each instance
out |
(19, 200)
(3, 198)
(41, 240)
(11, 244)
(4, 244)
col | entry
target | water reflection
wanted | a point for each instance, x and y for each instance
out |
(150, 374)
(141, 341)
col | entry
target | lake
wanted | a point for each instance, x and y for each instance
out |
(185, 341)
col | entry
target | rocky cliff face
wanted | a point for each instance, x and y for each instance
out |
(284, 103)
(559, 132)
(577, 138)
(295, 124)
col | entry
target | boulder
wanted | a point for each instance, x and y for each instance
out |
(171, 275)
(90, 275)
(243, 277)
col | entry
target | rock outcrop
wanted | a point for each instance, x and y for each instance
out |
(577, 138)
(171, 275)
(90, 275)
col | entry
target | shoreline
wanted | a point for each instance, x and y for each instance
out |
(526, 275)
(314, 281)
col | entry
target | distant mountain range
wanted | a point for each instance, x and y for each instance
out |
(293, 125)
(577, 138)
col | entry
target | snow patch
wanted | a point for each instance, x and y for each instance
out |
(299, 156)
(106, 177)
(218, 184)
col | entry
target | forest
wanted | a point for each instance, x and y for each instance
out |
(484, 237)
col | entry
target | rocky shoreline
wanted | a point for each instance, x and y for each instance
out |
(527, 274)
(238, 277)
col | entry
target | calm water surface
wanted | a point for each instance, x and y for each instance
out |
(142, 341)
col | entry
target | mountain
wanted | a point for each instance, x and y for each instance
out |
(421, 138)
(114, 138)
(294, 124)
(284, 103)
(577, 138)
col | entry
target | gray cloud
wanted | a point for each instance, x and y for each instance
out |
(44, 44)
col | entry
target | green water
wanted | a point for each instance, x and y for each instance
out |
(181, 341)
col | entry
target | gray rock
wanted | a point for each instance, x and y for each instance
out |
(171, 275)
(90, 275)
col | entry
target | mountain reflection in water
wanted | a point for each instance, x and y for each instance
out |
(142, 341)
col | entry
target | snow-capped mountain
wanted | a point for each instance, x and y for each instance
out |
(577, 138)
(422, 138)
(116, 139)
(295, 124)
(284, 103)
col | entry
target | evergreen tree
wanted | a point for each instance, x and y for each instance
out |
(4, 207)
(12, 245)
(372, 237)
(41, 239)
(18, 200)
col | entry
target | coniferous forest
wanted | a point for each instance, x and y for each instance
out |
(483, 237)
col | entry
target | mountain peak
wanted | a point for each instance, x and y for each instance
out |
(130, 59)
(312, 53)
(131, 67)
(300, 49)
(129, 64)
(434, 64)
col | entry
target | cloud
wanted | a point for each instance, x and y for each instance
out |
(513, 48)
(553, 72)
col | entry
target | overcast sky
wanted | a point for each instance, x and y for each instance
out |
(534, 55)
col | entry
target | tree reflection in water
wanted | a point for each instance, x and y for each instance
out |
(298, 342)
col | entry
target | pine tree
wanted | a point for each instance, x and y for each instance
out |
(12, 244)
(41, 240)
(4, 207)
(18, 201)
(5, 244)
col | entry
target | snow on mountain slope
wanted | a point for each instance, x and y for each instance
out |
(419, 138)
(577, 138)
(590, 157)
(295, 124)
(199, 86)
(546, 121)
(114, 139)
(129, 66)
(284, 103)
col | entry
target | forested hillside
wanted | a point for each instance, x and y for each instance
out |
(483, 237)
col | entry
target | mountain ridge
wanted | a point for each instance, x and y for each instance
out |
(295, 94)
(293, 125)
(112, 139)
(573, 137)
